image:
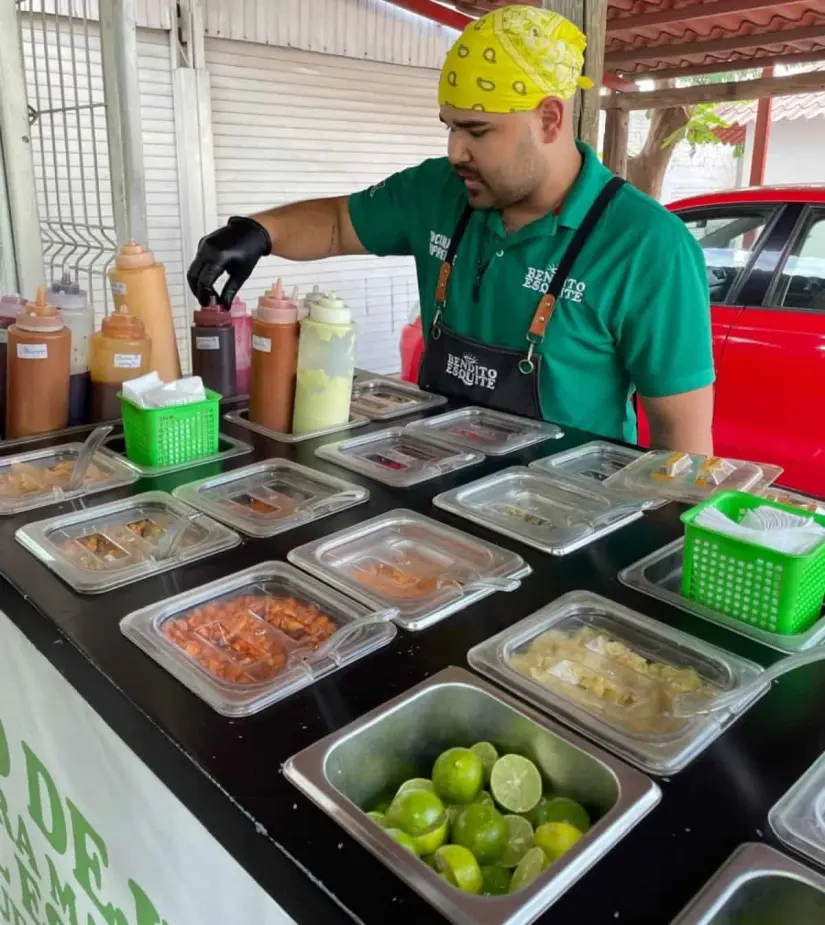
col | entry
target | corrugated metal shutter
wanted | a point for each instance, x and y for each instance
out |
(70, 153)
(293, 125)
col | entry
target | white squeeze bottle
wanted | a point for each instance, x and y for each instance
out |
(326, 364)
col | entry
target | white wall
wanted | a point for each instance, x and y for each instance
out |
(794, 151)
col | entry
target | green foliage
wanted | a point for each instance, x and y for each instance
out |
(699, 128)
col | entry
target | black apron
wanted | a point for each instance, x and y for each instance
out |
(498, 377)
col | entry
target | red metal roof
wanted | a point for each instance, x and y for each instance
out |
(660, 39)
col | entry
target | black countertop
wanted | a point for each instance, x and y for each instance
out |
(228, 772)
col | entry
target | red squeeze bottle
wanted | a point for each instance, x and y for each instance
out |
(275, 331)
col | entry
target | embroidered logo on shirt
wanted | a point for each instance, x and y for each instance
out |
(374, 189)
(467, 369)
(539, 281)
(439, 244)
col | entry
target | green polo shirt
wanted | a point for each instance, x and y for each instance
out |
(632, 315)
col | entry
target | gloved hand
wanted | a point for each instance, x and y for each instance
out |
(234, 250)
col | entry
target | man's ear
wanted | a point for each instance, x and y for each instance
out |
(551, 117)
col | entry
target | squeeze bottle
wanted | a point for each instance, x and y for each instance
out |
(139, 282)
(326, 364)
(39, 354)
(79, 318)
(274, 357)
(411, 347)
(10, 306)
(120, 351)
(242, 323)
(213, 349)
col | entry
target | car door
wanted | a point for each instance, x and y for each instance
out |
(773, 380)
(732, 237)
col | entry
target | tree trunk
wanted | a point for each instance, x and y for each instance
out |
(647, 169)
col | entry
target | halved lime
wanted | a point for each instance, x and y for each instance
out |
(496, 881)
(458, 775)
(556, 839)
(417, 783)
(482, 830)
(431, 839)
(516, 783)
(379, 819)
(529, 867)
(489, 756)
(415, 811)
(458, 867)
(562, 809)
(402, 839)
(519, 841)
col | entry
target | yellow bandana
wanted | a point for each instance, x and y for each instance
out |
(511, 59)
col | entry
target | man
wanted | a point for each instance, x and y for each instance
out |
(548, 287)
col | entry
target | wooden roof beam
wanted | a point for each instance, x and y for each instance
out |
(733, 91)
(688, 13)
(720, 67)
(627, 57)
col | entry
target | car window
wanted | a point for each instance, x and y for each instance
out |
(802, 282)
(728, 236)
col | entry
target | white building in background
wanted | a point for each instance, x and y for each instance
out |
(304, 98)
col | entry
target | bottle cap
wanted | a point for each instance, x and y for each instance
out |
(66, 294)
(132, 256)
(238, 308)
(64, 284)
(275, 308)
(122, 324)
(211, 316)
(39, 315)
(329, 309)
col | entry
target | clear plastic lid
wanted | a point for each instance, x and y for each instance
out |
(384, 399)
(40, 477)
(398, 456)
(805, 503)
(228, 448)
(405, 560)
(686, 477)
(552, 513)
(490, 432)
(798, 819)
(241, 418)
(592, 462)
(115, 544)
(614, 674)
(270, 497)
(244, 642)
(659, 575)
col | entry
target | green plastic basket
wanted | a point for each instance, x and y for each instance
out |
(169, 436)
(775, 591)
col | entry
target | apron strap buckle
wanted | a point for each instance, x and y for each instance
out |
(542, 317)
(435, 329)
(528, 364)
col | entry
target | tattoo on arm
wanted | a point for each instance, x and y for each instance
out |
(333, 240)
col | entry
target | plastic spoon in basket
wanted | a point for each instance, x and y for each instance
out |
(174, 533)
(86, 455)
(306, 657)
(688, 705)
(469, 581)
(317, 507)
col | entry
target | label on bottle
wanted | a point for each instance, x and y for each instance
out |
(127, 361)
(32, 351)
(207, 343)
(4, 335)
(118, 288)
(264, 344)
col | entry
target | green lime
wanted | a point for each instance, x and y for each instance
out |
(489, 756)
(496, 881)
(417, 783)
(459, 868)
(529, 867)
(519, 841)
(415, 811)
(458, 775)
(431, 839)
(482, 830)
(516, 783)
(402, 839)
(562, 809)
(379, 819)
(382, 805)
(556, 839)
(429, 860)
(485, 798)
(453, 813)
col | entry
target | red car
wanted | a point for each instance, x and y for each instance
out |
(765, 255)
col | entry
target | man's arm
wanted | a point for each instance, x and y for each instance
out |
(312, 230)
(681, 422)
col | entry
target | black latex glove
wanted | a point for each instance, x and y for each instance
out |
(234, 250)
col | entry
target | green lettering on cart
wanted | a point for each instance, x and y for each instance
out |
(38, 777)
(5, 754)
(30, 895)
(24, 845)
(4, 814)
(62, 895)
(144, 909)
